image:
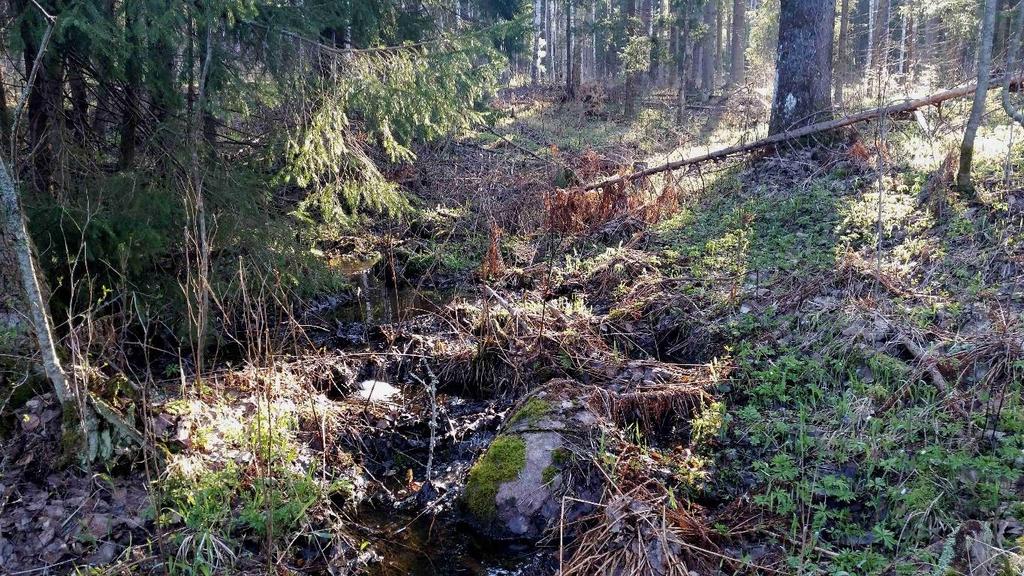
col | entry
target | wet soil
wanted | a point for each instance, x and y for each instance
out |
(414, 528)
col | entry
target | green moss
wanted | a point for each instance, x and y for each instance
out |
(534, 409)
(559, 458)
(502, 462)
(549, 473)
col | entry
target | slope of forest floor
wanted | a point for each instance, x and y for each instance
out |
(804, 370)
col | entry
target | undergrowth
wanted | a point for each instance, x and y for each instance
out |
(268, 496)
(839, 433)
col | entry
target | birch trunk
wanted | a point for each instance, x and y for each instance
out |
(14, 222)
(535, 62)
(570, 75)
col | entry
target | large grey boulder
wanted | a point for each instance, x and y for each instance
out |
(515, 489)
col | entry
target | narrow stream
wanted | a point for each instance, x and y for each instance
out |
(409, 539)
(426, 546)
(379, 302)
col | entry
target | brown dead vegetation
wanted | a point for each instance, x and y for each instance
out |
(575, 210)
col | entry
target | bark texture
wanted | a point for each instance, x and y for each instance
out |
(737, 71)
(707, 49)
(843, 57)
(803, 86)
(1012, 64)
(538, 31)
(14, 224)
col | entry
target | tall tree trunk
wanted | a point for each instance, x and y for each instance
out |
(872, 34)
(737, 71)
(707, 50)
(570, 76)
(590, 46)
(195, 204)
(44, 97)
(535, 61)
(842, 57)
(683, 44)
(673, 51)
(654, 70)
(1002, 26)
(883, 25)
(697, 68)
(719, 49)
(5, 115)
(909, 64)
(577, 51)
(206, 62)
(632, 89)
(929, 40)
(727, 46)
(133, 78)
(1013, 64)
(803, 90)
(104, 111)
(901, 62)
(549, 17)
(79, 97)
(14, 222)
(963, 176)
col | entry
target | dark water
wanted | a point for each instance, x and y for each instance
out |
(429, 546)
(378, 302)
(410, 542)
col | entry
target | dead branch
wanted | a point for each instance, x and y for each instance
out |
(923, 357)
(894, 109)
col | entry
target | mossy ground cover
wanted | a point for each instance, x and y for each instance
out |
(870, 468)
(841, 437)
(831, 426)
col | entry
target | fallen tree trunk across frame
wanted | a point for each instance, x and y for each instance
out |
(816, 128)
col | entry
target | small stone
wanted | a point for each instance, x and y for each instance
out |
(30, 422)
(104, 555)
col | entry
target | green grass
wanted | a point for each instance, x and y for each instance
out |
(889, 478)
(220, 507)
(727, 234)
(850, 445)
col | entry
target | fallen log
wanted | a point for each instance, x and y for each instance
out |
(902, 107)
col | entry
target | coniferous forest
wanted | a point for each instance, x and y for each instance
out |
(512, 288)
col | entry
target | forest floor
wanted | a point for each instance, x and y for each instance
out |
(794, 367)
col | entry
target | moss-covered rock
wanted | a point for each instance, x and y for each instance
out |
(532, 411)
(502, 462)
(515, 489)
